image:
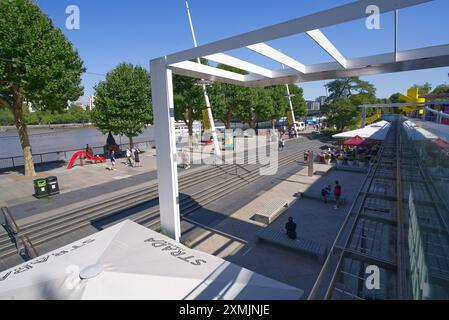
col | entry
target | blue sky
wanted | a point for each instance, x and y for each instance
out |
(114, 31)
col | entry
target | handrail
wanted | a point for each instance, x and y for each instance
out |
(30, 250)
(324, 269)
(10, 223)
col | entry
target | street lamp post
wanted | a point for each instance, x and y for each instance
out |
(217, 148)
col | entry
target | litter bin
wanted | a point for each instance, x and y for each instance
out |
(52, 185)
(40, 188)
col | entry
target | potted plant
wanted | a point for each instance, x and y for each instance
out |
(351, 160)
(362, 160)
(340, 160)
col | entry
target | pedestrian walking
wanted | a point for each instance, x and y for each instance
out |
(137, 157)
(112, 158)
(337, 194)
(326, 192)
(128, 157)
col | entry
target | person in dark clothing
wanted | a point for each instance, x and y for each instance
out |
(137, 157)
(337, 195)
(290, 227)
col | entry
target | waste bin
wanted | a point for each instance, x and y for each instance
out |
(40, 188)
(52, 185)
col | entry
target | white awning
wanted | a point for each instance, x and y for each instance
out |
(128, 261)
(417, 133)
(375, 131)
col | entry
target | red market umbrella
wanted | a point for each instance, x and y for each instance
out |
(357, 141)
(441, 143)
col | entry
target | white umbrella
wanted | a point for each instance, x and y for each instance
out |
(128, 261)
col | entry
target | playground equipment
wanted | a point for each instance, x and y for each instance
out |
(81, 155)
(412, 97)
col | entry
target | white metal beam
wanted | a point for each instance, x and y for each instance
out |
(167, 172)
(240, 64)
(196, 70)
(416, 59)
(327, 45)
(349, 12)
(278, 56)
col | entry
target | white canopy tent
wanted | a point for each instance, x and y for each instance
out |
(259, 76)
(375, 131)
(131, 262)
(417, 133)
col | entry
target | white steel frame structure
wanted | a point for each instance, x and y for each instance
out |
(258, 76)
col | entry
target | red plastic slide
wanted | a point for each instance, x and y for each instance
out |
(81, 155)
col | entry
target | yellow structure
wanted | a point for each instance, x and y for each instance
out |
(412, 97)
(371, 119)
(206, 120)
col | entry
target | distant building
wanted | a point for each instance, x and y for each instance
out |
(90, 103)
(313, 107)
(31, 107)
(321, 100)
(80, 104)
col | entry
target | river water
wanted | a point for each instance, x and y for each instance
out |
(48, 140)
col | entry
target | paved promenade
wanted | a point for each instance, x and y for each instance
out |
(234, 238)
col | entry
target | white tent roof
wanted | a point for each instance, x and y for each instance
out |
(128, 261)
(375, 131)
(417, 133)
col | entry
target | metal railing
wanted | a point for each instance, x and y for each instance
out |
(62, 156)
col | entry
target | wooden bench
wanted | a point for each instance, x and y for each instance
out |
(271, 211)
(301, 245)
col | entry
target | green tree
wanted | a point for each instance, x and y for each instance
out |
(281, 105)
(37, 64)
(123, 102)
(344, 88)
(396, 98)
(189, 101)
(424, 89)
(441, 89)
(341, 114)
(259, 107)
(227, 99)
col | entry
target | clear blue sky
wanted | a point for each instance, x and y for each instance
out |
(137, 30)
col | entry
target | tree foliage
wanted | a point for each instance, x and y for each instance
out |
(37, 64)
(123, 101)
(346, 95)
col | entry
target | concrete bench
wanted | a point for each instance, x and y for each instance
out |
(271, 211)
(301, 245)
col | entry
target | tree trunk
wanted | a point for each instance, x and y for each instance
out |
(228, 120)
(131, 142)
(189, 123)
(190, 126)
(21, 126)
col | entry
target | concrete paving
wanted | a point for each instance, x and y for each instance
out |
(234, 238)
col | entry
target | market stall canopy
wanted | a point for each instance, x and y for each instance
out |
(417, 133)
(129, 261)
(356, 142)
(441, 143)
(376, 131)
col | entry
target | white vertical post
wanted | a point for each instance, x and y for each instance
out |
(291, 107)
(363, 117)
(167, 173)
(217, 148)
(290, 104)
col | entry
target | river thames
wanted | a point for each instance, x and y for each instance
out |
(50, 140)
